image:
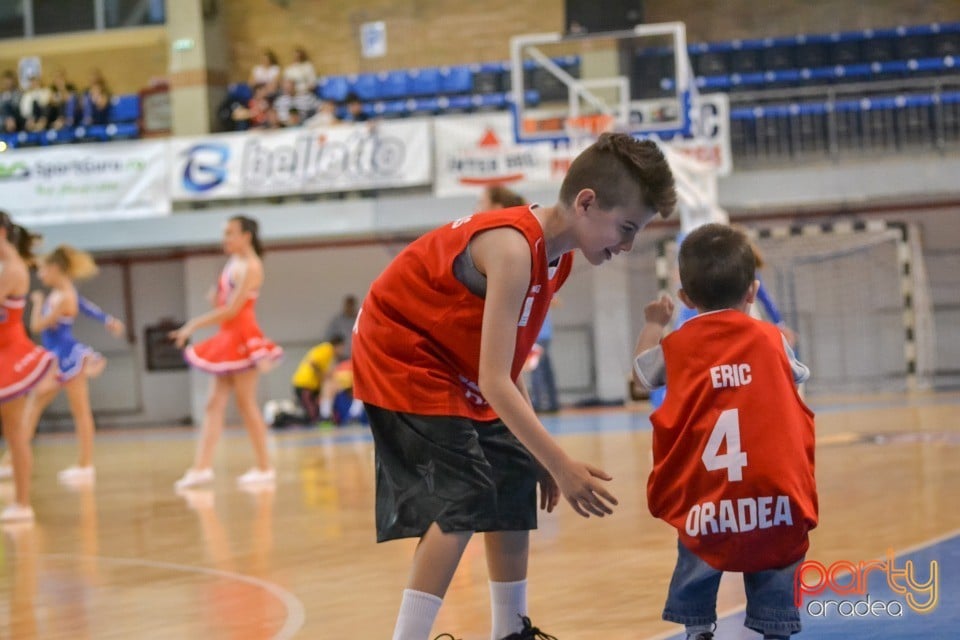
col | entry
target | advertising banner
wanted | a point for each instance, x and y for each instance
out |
(263, 163)
(479, 149)
(85, 182)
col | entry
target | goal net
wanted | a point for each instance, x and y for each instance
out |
(857, 296)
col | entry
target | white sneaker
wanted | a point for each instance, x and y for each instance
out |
(6, 472)
(17, 513)
(77, 475)
(194, 478)
(258, 476)
(197, 499)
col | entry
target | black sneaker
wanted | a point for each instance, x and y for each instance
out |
(529, 632)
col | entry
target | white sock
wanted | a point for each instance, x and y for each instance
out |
(418, 610)
(693, 629)
(508, 601)
(326, 408)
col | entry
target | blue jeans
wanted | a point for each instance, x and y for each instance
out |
(692, 599)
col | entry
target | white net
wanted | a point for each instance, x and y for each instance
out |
(858, 300)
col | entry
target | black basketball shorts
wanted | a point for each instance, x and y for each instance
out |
(463, 474)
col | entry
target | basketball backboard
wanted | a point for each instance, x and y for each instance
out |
(638, 81)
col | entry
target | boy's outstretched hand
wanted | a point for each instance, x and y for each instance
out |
(659, 311)
(579, 483)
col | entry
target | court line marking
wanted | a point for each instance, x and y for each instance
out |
(296, 613)
(728, 613)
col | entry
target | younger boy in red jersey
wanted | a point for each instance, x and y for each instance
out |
(438, 347)
(733, 389)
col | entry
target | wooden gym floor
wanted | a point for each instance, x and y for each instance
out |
(132, 559)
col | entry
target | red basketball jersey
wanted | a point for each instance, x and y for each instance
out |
(733, 446)
(416, 342)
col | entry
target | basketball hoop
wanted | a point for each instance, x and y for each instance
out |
(591, 125)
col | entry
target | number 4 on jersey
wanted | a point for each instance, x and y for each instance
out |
(734, 460)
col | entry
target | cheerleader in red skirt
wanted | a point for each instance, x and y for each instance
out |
(23, 365)
(235, 355)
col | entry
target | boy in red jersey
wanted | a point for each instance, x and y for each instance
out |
(733, 389)
(438, 347)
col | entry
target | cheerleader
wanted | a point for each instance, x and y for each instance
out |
(235, 355)
(23, 365)
(52, 317)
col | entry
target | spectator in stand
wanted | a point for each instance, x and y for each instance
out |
(96, 77)
(255, 113)
(306, 102)
(267, 72)
(33, 105)
(64, 109)
(355, 112)
(284, 100)
(96, 104)
(294, 119)
(326, 116)
(270, 118)
(10, 95)
(293, 98)
(301, 72)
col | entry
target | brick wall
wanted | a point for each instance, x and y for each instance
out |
(419, 32)
(127, 58)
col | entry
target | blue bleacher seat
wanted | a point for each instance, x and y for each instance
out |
(92, 133)
(427, 105)
(946, 44)
(846, 52)
(710, 63)
(455, 80)
(122, 131)
(59, 136)
(777, 58)
(425, 82)
(490, 100)
(29, 138)
(366, 86)
(490, 77)
(333, 88)
(393, 84)
(910, 47)
(125, 108)
(391, 108)
(459, 103)
(744, 61)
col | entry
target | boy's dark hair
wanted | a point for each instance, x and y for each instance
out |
(336, 340)
(616, 167)
(717, 266)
